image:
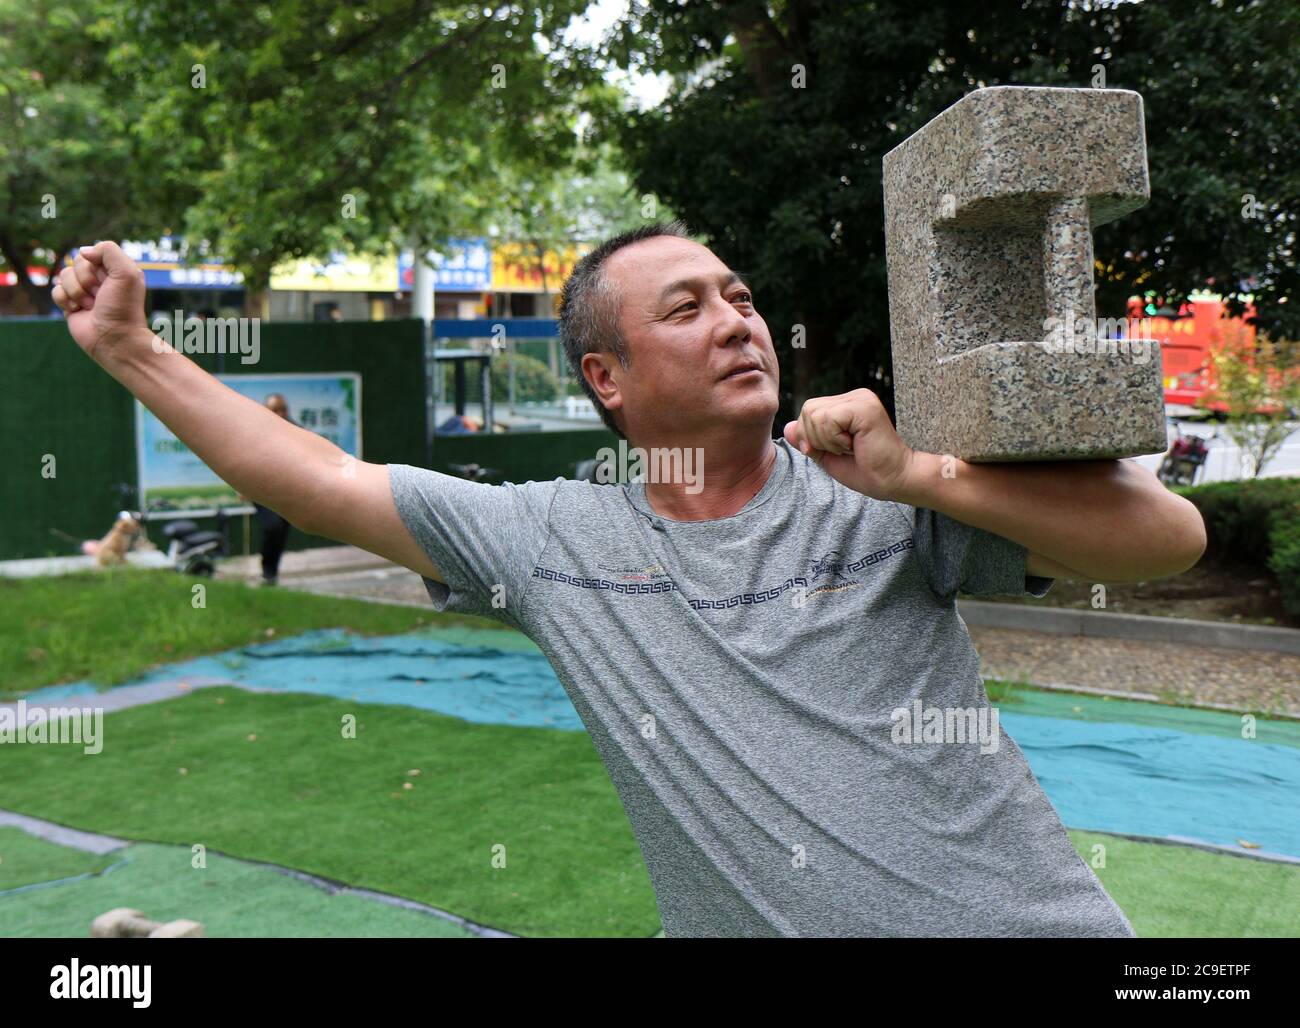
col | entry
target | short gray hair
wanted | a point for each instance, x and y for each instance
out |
(589, 308)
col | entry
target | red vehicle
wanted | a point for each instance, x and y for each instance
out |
(1186, 341)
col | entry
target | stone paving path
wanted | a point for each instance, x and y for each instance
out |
(1195, 675)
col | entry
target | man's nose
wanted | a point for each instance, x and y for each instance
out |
(732, 325)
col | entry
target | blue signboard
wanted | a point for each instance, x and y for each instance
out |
(459, 265)
(171, 475)
(164, 267)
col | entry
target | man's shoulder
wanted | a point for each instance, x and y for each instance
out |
(573, 492)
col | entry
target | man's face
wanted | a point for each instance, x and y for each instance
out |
(693, 335)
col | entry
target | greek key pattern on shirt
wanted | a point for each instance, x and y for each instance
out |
(746, 598)
(630, 588)
(740, 599)
(879, 555)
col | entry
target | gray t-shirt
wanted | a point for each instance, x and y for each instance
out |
(770, 693)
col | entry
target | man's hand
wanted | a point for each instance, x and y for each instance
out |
(852, 438)
(103, 296)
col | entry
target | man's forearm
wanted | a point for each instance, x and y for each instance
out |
(258, 453)
(1109, 520)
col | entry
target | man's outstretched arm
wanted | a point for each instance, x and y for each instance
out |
(301, 476)
(1099, 520)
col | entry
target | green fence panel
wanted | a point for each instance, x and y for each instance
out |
(69, 429)
(69, 435)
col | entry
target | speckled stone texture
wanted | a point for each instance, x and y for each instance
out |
(989, 211)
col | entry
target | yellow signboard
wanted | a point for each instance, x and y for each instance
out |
(340, 273)
(517, 268)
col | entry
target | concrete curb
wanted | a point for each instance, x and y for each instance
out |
(125, 696)
(89, 842)
(1289, 714)
(1100, 625)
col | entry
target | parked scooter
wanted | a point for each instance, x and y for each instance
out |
(195, 552)
(189, 550)
(475, 472)
(1186, 457)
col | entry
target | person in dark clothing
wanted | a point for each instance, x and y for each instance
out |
(275, 529)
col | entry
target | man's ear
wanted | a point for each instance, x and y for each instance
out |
(598, 369)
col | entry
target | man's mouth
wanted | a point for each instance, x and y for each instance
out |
(743, 369)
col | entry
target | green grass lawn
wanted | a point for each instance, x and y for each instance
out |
(1167, 891)
(1174, 891)
(301, 795)
(25, 859)
(271, 778)
(112, 625)
(230, 898)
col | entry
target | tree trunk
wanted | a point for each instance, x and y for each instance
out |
(37, 296)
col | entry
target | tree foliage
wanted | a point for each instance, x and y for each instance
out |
(786, 181)
(317, 124)
(64, 132)
(583, 200)
(1258, 382)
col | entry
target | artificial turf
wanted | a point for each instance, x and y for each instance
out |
(230, 898)
(514, 828)
(1176, 891)
(111, 625)
(299, 794)
(25, 860)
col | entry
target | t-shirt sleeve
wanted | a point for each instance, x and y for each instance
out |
(957, 557)
(483, 539)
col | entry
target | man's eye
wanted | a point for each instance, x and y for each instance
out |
(689, 303)
(745, 297)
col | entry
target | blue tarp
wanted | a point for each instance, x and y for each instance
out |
(506, 682)
(1136, 780)
(1105, 775)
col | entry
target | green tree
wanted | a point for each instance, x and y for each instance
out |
(1259, 385)
(315, 125)
(784, 176)
(582, 200)
(533, 380)
(64, 125)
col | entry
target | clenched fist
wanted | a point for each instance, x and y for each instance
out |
(103, 296)
(851, 437)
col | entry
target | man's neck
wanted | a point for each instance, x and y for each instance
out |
(728, 473)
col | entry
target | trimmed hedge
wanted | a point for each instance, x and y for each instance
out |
(533, 380)
(1256, 523)
(1284, 561)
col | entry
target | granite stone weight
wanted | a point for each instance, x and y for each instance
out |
(989, 211)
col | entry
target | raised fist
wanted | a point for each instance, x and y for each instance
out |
(102, 295)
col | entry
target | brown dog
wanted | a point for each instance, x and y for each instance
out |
(112, 548)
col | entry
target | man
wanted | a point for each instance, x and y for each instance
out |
(275, 529)
(745, 647)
